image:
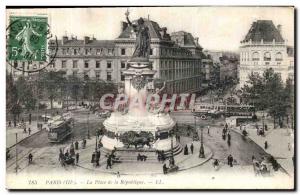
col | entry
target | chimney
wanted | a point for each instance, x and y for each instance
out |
(64, 39)
(279, 28)
(86, 39)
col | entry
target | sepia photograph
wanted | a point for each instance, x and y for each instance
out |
(162, 97)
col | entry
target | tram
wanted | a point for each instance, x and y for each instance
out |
(215, 110)
(59, 130)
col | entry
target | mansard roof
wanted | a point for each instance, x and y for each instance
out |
(263, 30)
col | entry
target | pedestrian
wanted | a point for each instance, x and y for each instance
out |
(266, 127)
(216, 164)
(240, 127)
(289, 146)
(98, 154)
(72, 150)
(93, 157)
(84, 142)
(77, 158)
(30, 158)
(208, 129)
(29, 120)
(29, 131)
(25, 130)
(228, 137)
(230, 160)
(9, 123)
(223, 136)
(108, 162)
(192, 148)
(165, 169)
(266, 145)
(186, 151)
(76, 145)
(226, 126)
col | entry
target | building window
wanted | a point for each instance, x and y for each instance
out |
(98, 52)
(64, 64)
(86, 64)
(97, 64)
(75, 64)
(97, 75)
(110, 51)
(123, 65)
(75, 51)
(151, 51)
(267, 63)
(255, 56)
(278, 63)
(63, 51)
(75, 73)
(15, 64)
(278, 56)
(108, 65)
(122, 77)
(123, 51)
(108, 76)
(267, 56)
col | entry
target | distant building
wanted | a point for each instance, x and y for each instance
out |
(226, 65)
(263, 47)
(177, 58)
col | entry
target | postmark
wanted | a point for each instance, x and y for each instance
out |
(27, 43)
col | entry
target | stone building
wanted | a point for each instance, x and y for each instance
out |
(263, 47)
(177, 58)
(177, 64)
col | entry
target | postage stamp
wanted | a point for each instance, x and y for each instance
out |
(28, 38)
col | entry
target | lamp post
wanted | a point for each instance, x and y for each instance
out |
(96, 141)
(172, 147)
(88, 125)
(263, 122)
(201, 152)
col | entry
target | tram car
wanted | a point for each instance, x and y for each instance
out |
(59, 130)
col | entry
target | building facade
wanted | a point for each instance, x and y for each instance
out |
(262, 48)
(177, 58)
(179, 65)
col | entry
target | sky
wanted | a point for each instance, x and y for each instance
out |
(218, 28)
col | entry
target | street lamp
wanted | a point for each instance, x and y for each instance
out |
(96, 141)
(263, 122)
(172, 147)
(88, 125)
(201, 152)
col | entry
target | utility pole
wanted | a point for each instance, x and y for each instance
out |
(17, 153)
(201, 152)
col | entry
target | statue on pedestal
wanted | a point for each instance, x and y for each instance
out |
(142, 45)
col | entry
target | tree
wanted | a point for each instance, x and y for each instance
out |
(74, 87)
(26, 94)
(267, 92)
(53, 83)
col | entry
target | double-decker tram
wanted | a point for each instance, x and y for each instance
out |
(59, 130)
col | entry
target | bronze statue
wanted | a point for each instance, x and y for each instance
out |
(142, 45)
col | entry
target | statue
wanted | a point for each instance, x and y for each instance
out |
(142, 46)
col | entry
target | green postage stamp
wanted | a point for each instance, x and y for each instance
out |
(27, 38)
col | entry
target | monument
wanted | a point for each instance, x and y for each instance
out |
(139, 128)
